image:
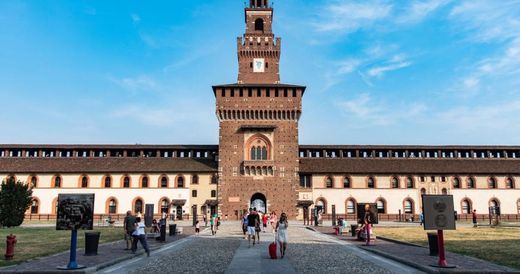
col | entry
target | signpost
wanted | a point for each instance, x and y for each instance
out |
(75, 211)
(439, 215)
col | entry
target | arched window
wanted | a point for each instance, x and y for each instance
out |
(180, 182)
(34, 206)
(259, 25)
(456, 182)
(195, 179)
(395, 182)
(471, 182)
(214, 179)
(423, 191)
(164, 181)
(494, 203)
(371, 183)
(465, 205)
(259, 148)
(346, 182)
(138, 206)
(444, 191)
(84, 181)
(126, 182)
(112, 206)
(213, 193)
(194, 193)
(381, 206)
(328, 182)
(510, 183)
(492, 182)
(57, 181)
(408, 206)
(351, 206)
(34, 181)
(409, 182)
(108, 182)
(145, 181)
(165, 205)
(321, 205)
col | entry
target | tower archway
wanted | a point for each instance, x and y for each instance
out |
(259, 201)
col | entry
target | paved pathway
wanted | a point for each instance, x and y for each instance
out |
(228, 252)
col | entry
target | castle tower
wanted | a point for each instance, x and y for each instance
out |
(258, 118)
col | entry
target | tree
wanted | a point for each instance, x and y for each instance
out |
(15, 199)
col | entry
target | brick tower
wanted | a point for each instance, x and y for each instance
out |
(258, 116)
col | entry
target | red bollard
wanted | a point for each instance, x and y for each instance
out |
(9, 246)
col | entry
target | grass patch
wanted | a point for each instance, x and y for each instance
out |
(33, 242)
(498, 245)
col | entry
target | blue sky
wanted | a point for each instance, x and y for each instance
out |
(377, 72)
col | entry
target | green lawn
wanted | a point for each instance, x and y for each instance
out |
(37, 242)
(498, 245)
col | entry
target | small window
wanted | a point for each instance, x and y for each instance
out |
(351, 207)
(471, 182)
(165, 206)
(510, 183)
(138, 206)
(213, 193)
(444, 191)
(432, 179)
(108, 182)
(371, 182)
(408, 206)
(57, 182)
(466, 206)
(381, 208)
(214, 180)
(456, 182)
(305, 181)
(395, 182)
(112, 206)
(328, 182)
(84, 182)
(194, 193)
(409, 182)
(180, 182)
(346, 182)
(422, 179)
(259, 24)
(492, 182)
(195, 179)
(145, 182)
(126, 182)
(34, 206)
(34, 181)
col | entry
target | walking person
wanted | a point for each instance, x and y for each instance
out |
(244, 224)
(474, 217)
(251, 221)
(197, 227)
(205, 219)
(264, 221)
(274, 221)
(281, 233)
(257, 225)
(213, 224)
(128, 226)
(140, 235)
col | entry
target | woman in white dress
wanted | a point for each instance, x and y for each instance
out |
(281, 233)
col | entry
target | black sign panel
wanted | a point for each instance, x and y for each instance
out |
(75, 211)
(438, 212)
(371, 217)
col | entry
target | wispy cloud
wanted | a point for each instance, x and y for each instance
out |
(419, 10)
(138, 83)
(395, 63)
(135, 18)
(345, 17)
(372, 111)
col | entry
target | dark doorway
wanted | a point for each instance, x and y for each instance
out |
(259, 201)
(178, 210)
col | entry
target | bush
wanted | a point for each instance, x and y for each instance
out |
(15, 199)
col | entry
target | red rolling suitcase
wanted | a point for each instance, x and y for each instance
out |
(272, 250)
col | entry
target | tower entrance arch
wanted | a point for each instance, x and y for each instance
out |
(259, 201)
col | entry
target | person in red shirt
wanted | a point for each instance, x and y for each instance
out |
(474, 217)
(264, 221)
